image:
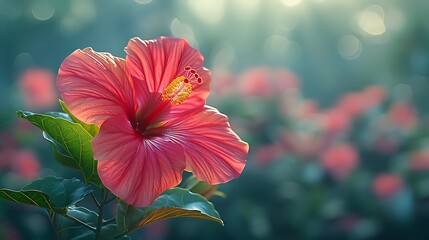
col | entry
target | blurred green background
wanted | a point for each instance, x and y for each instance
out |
(330, 94)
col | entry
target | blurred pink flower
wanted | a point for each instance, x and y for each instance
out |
(293, 107)
(339, 160)
(26, 164)
(353, 104)
(264, 82)
(403, 115)
(37, 88)
(374, 95)
(285, 79)
(305, 144)
(7, 147)
(291, 104)
(356, 103)
(255, 82)
(263, 155)
(153, 118)
(309, 109)
(385, 185)
(224, 84)
(336, 121)
(419, 160)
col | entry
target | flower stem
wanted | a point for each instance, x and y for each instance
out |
(113, 198)
(104, 195)
(95, 200)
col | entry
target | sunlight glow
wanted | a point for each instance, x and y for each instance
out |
(183, 30)
(247, 8)
(209, 11)
(395, 19)
(223, 55)
(290, 3)
(276, 45)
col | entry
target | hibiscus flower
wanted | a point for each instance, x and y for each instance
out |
(153, 120)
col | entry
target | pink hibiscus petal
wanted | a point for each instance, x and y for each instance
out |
(134, 168)
(155, 63)
(95, 86)
(214, 153)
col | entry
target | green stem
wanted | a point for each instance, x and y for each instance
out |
(52, 216)
(104, 195)
(95, 200)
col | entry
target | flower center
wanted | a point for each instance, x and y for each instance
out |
(175, 93)
(181, 87)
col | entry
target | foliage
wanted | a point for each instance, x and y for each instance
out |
(71, 144)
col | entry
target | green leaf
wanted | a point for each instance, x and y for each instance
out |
(60, 115)
(52, 193)
(91, 128)
(60, 153)
(30, 197)
(175, 202)
(74, 140)
(63, 192)
(68, 229)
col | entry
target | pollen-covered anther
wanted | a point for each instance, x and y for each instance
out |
(192, 75)
(177, 91)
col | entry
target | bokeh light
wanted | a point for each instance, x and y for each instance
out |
(42, 10)
(350, 47)
(371, 20)
(143, 1)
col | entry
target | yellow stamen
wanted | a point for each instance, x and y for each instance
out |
(177, 91)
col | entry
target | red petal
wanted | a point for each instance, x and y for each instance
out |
(155, 63)
(95, 85)
(135, 169)
(214, 153)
